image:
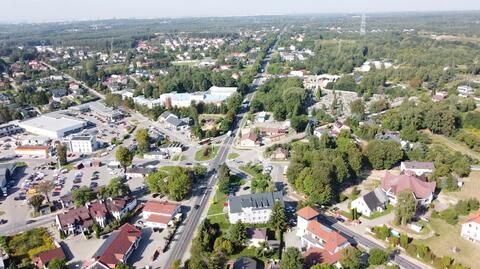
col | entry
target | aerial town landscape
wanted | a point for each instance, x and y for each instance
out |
(333, 140)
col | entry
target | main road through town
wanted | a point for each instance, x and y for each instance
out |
(185, 236)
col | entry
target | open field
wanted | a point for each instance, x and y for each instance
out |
(447, 237)
(206, 153)
(455, 145)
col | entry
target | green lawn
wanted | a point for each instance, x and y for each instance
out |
(448, 237)
(221, 220)
(375, 215)
(179, 157)
(217, 208)
(212, 152)
(233, 155)
(252, 170)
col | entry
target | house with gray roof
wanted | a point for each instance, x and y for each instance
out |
(374, 201)
(253, 208)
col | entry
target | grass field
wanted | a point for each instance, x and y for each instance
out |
(233, 155)
(201, 156)
(179, 157)
(455, 145)
(448, 237)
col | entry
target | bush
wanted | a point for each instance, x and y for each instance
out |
(377, 257)
(412, 250)
(382, 232)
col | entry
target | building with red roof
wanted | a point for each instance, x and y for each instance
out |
(321, 236)
(98, 211)
(471, 227)
(249, 139)
(74, 221)
(304, 216)
(392, 185)
(318, 256)
(158, 214)
(42, 259)
(117, 248)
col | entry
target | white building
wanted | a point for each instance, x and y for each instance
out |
(374, 201)
(52, 125)
(253, 208)
(158, 214)
(419, 168)
(465, 91)
(471, 228)
(304, 216)
(83, 144)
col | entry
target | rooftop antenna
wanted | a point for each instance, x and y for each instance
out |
(363, 25)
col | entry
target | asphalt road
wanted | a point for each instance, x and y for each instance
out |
(180, 247)
(361, 240)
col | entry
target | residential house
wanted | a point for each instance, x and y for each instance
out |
(422, 190)
(58, 94)
(117, 248)
(98, 211)
(246, 263)
(465, 91)
(74, 221)
(323, 244)
(471, 227)
(253, 208)
(256, 236)
(419, 168)
(118, 207)
(158, 214)
(338, 127)
(304, 216)
(280, 154)
(249, 139)
(42, 259)
(374, 201)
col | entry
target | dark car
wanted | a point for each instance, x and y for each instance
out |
(30, 221)
(246, 188)
(77, 180)
(93, 184)
(197, 206)
(75, 187)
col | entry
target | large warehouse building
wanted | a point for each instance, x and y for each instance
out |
(53, 125)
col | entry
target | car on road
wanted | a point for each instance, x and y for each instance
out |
(30, 221)
(197, 206)
(246, 188)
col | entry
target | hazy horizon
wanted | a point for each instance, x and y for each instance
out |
(25, 11)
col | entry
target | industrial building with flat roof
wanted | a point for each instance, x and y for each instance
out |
(53, 125)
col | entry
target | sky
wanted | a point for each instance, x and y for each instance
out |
(69, 10)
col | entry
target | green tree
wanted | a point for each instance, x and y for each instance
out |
(405, 208)
(36, 201)
(292, 258)
(237, 234)
(278, 220)
(377, 257)
(122, 265)
(383, 154)
(351, 258)
(357, 108)
(61, 154)
(117, 187)
(322, 266)
(143, 140)
(82, 195)
(260, 183)
(57, 264)
(124, 157)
